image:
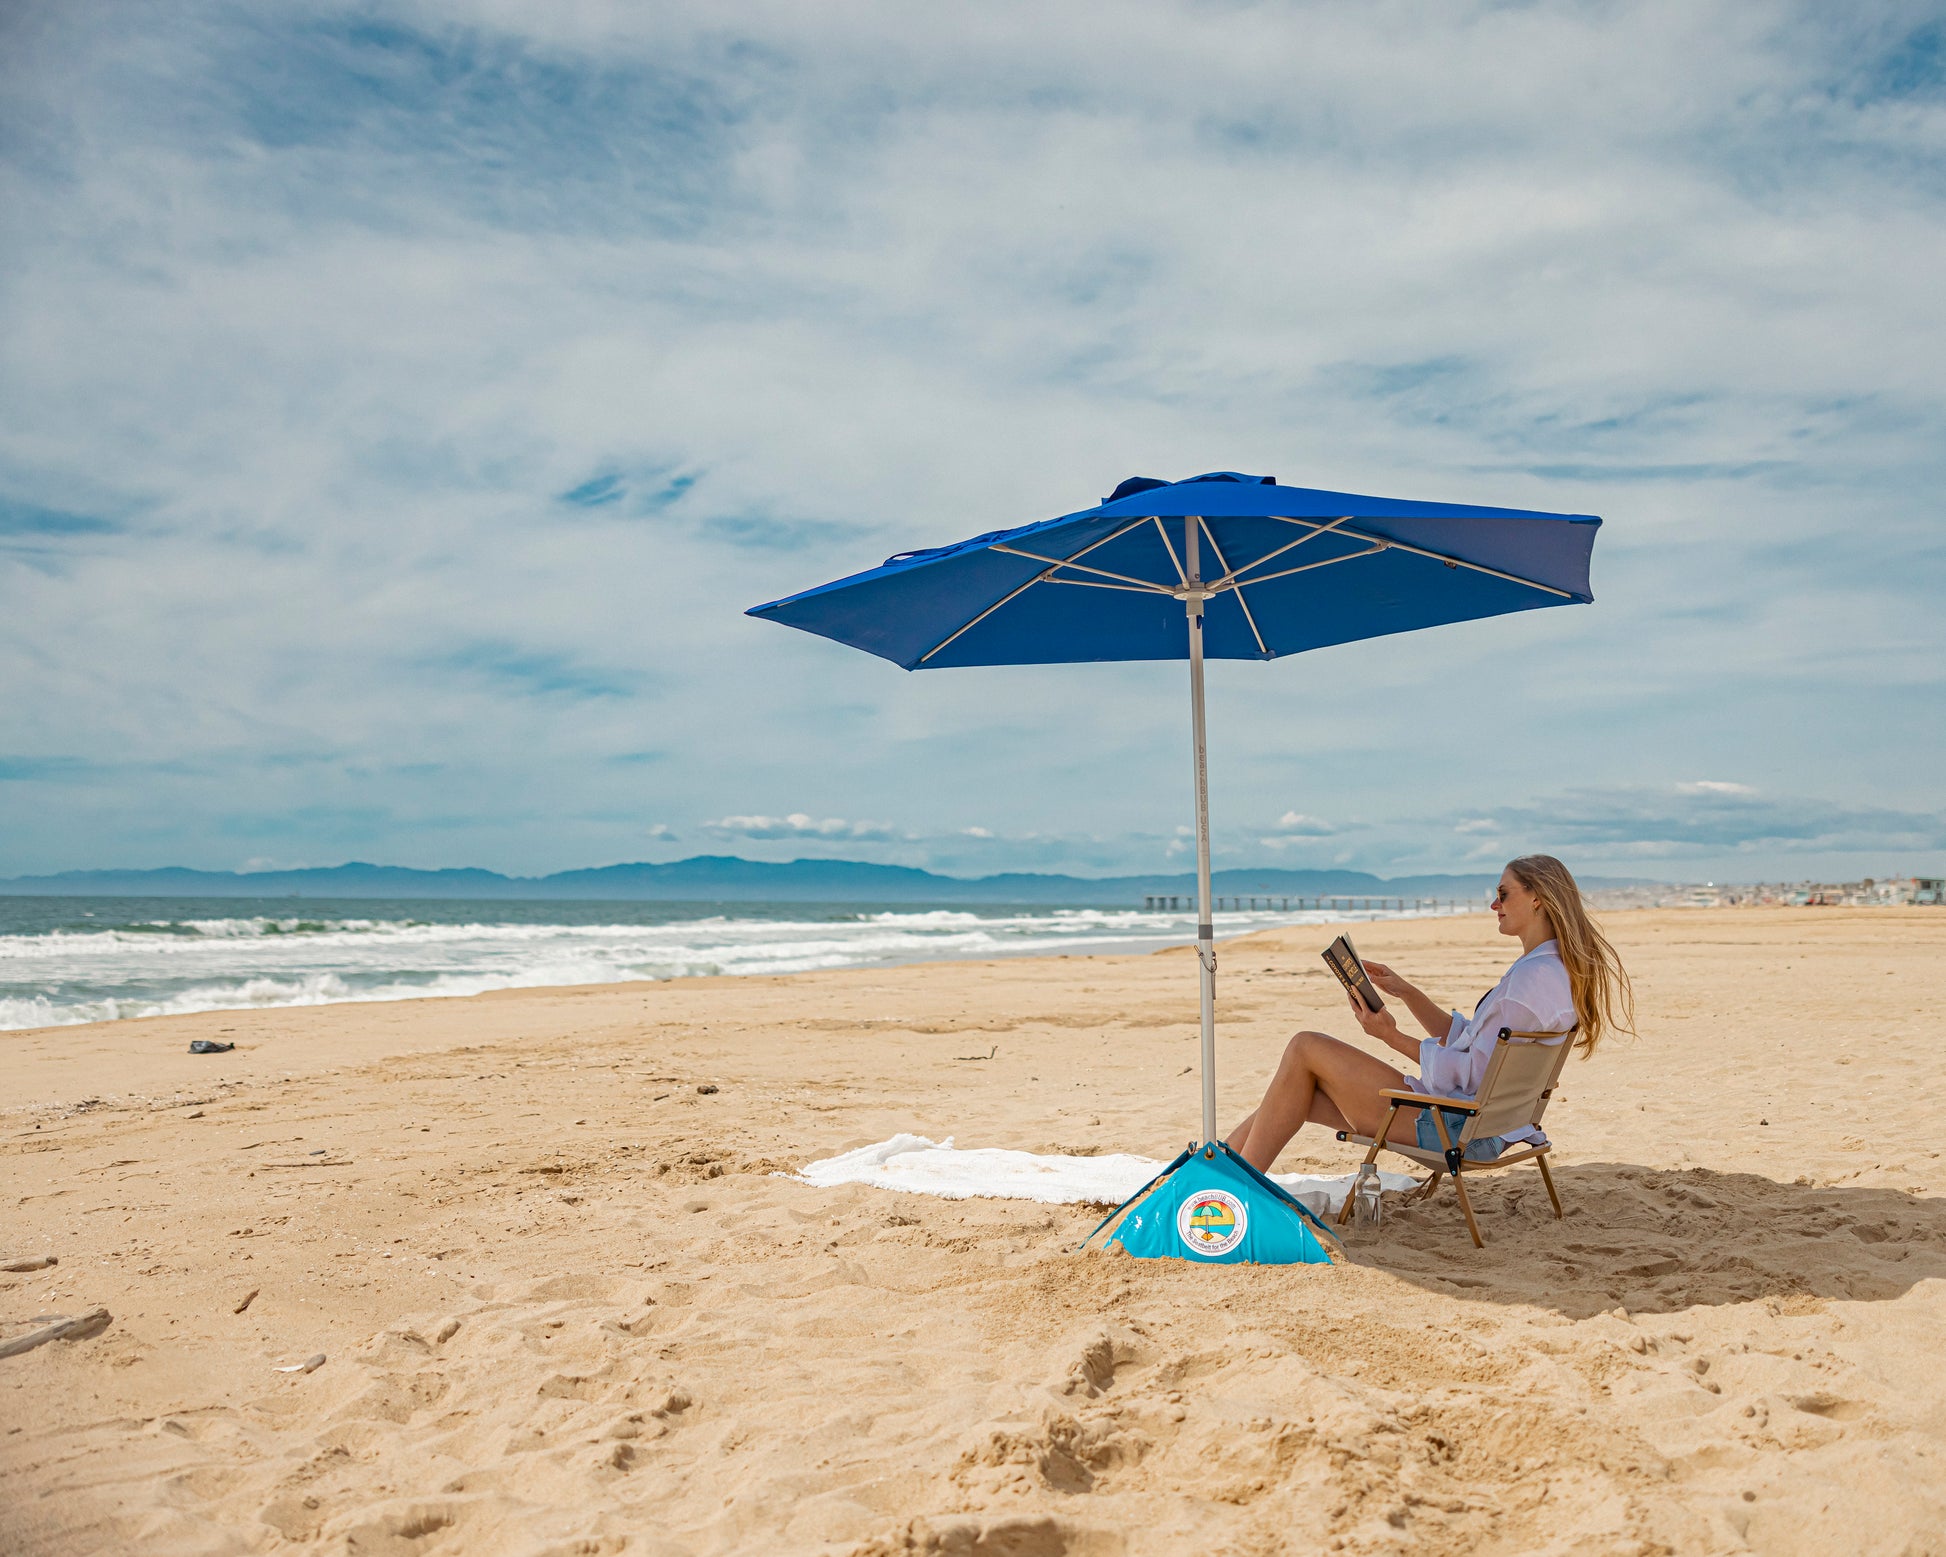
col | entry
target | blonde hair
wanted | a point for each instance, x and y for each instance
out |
(1604, 1000)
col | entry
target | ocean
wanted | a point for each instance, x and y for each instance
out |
(93, 959)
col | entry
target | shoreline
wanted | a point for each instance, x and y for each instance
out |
(1089, 939)
(37, 1053)
(564, 1302)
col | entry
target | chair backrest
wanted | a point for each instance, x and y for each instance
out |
(1519, 1081)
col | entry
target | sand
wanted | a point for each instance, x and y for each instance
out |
(566, 1306)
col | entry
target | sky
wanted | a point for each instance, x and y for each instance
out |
(401, 403)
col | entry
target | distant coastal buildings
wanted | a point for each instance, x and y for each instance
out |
(1899, 891)
(1867, 894)
(1896, 892)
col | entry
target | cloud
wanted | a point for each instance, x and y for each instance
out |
(1302, 833)
(1702, 819)
(761, 532)
(799, 824)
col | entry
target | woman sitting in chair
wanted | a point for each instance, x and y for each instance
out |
(1567, 976)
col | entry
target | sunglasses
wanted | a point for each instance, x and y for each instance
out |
(1499, 897)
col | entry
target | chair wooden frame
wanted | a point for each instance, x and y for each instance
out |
(1519, 1081)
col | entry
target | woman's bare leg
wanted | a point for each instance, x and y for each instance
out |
(1320, 1080)
(1323, 1112)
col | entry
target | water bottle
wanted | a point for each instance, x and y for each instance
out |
(1365, 1209)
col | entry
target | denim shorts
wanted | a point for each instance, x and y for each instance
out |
(1483, 1149)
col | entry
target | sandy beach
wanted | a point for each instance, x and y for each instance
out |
(567, 1306)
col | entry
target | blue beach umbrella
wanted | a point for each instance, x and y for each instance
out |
(1223, 565)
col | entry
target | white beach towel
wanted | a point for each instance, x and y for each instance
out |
(925, 1167)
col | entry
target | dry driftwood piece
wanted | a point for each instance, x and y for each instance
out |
(91, 1323)
(32, 1262)
(248, 1298)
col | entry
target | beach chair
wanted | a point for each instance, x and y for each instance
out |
(1520, 1080)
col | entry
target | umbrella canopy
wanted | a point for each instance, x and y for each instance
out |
(1225, 564)
(1285, 569)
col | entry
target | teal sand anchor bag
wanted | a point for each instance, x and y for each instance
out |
(1210, 1205)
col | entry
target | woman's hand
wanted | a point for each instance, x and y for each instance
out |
(1435, 1021)
(1380, 1024)
(1386, 979)
(1383, 1026)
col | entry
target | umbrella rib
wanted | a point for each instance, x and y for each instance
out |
(1009, 595)
(1169, 546)
(1231, 579)
(1022, 589)
(1116, 535)
(1310, 535)
(1088, 583)
(1080, 567)
(1382, 543)
(1326, 562)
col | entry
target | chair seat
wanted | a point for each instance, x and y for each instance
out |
(1430, 1159)
(1517, 1151)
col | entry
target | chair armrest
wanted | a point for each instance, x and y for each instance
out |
(1508, 1035)
(1464, 1105)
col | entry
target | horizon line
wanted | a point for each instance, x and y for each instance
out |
(82, 872)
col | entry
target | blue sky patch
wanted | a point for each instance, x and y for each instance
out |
(538, 672)
(1915, 68)
(651, 493)
(30, 519)
(47, 770)
(596, 492)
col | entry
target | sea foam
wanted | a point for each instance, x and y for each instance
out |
(199, 961)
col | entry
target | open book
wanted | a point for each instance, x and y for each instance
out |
(1342, 959)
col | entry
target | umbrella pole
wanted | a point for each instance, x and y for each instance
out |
(1205, 930)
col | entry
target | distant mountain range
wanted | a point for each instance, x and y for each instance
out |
(727, 879)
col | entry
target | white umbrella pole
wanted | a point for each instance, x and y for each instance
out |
(1205, 930)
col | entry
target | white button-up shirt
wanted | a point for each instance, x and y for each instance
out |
(1532, 997)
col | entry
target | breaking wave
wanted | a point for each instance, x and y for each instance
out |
(155, 966)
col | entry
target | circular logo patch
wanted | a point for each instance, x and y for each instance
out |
(1212, 1222)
